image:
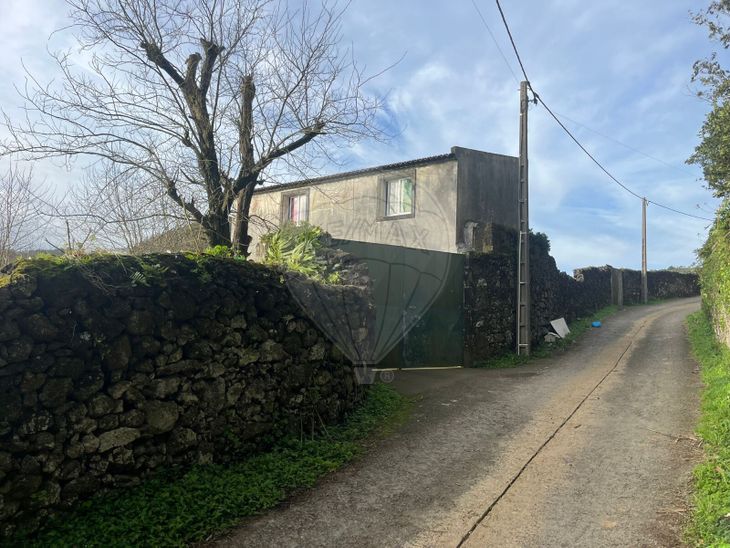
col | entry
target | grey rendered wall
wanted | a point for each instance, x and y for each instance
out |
(352, 208)
(487, 189)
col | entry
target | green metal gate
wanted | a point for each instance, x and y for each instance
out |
(418, 296)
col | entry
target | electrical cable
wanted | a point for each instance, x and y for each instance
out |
(621, 143)
(539, 99)
(494, 39)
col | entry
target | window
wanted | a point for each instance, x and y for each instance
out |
(297, 208)
(399, 197)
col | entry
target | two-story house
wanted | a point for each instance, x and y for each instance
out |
(413, 224)
(435, 203)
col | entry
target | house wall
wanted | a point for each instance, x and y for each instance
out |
(352, 209)
(487, 192)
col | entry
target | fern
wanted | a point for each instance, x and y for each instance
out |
(295, 248)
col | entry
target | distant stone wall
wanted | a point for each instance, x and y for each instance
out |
(113, 367)
(661, 284)
(490, 292)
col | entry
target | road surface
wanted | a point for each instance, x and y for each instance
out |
(591, 447)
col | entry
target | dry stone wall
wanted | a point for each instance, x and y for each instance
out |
(661, 284)
(113, 367)
(490, 292)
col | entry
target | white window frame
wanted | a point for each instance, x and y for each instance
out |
(387, 198)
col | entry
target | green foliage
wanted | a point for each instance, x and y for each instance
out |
(715, 268)
(577, 328)
(294, 247)
(540, 243)
(149, 273)
(135, 270)
(710, 525)
(223, 251)
(333, 278)
(713, 152)
(219, 251)
(175, 509)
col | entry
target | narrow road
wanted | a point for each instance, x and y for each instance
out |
(592, 447)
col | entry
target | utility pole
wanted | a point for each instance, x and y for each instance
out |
(523, 249)
(644, 285)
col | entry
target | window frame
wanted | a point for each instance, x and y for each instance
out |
(385, 180)
(285, 205)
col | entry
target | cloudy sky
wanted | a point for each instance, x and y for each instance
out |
(619, 72)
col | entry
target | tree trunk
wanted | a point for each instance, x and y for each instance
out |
(238, 204)
(217, 229)
(240, 236)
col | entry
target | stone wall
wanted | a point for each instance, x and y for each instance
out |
(113, 367)
(490, 292)
(661, 284)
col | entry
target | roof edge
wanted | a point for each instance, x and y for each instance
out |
(357, 173)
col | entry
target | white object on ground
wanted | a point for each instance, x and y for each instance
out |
(560, 327)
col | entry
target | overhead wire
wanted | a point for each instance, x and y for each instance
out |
(621, 143)
(539, 99)
(494, 39)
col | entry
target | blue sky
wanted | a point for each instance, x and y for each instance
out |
(623, 69)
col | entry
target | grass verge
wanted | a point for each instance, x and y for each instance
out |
(176, 510)
(710, 524)
(577, 328)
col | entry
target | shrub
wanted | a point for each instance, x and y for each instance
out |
(296, 248)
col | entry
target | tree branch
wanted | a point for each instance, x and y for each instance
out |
(154, 54)
(309, 133)
(206, 73)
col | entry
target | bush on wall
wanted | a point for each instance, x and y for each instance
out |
(715, 274)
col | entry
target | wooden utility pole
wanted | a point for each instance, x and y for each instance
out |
(644, 285)
(523, 250)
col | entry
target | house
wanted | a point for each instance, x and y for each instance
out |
(413, 223)
(436, 203)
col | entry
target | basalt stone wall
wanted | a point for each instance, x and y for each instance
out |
(661, 284)
(490, 293)
(113, 367)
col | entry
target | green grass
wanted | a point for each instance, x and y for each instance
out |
(174, 510)
(709, 525)
(544, 350)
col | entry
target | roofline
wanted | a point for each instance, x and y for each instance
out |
(357, 173)
(455, 151)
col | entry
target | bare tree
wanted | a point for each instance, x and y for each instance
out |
(201, 95)
(127, 209)
(19, 221)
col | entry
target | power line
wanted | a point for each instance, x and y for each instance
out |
(626, 188)
(677, 211)
(514, 46)
(496, 43)
(584, 149)
(494, 39)
(524, 72)
(625, 145)
(570, 134)
(593, 158)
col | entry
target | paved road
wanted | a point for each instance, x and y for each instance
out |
(592, 447)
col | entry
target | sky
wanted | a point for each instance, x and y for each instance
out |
(618, 72)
